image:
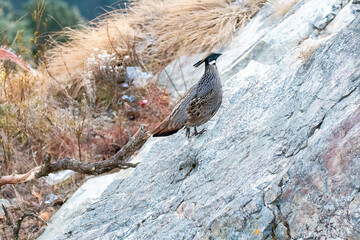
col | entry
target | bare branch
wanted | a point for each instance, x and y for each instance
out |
(118, 160)
(8, 216)
(16, 229)
(29, 214)
(19, 178)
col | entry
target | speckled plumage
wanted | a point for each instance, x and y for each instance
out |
(198, 105)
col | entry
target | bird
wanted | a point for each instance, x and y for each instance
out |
(198, 105)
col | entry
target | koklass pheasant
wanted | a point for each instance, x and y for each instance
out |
(198, 105)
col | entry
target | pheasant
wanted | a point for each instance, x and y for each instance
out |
(198, 105)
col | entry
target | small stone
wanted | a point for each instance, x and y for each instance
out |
(6, 204)
(354, 209)
(271, 194)
(281, 232)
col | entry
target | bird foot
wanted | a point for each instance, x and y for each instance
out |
(187, 134)
(196, 133)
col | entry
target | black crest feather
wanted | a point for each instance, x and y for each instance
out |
(207, 59)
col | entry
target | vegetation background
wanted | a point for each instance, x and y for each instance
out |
(89, 9)
(17, 23)
(35, 120)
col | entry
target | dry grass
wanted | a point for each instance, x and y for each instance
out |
(33, 125)
(151, 34)
(281, 7)
(307, 48)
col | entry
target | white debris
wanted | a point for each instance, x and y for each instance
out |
(55, 178)
(137, 76)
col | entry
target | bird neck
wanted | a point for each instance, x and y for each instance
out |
(210, 80)
(210, 76)
(210, 69)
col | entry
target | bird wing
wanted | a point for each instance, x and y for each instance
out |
(202, 107)
(177, 118)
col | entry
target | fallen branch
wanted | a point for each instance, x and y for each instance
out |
(6, 54)
(16, 228)
(118, 160)
(19, 178)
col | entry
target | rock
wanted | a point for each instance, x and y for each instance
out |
(136, 76)
(281, 157)
(272, 194)
(281, 232)
(354, 208)
(6, 203)
(55, 178)
(80, 202)
(355, 5)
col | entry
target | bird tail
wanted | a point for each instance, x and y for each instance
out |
(163, 129)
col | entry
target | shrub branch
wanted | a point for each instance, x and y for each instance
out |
(118, 160)
(16, 227)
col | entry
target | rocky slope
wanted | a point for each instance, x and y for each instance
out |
(280, 160)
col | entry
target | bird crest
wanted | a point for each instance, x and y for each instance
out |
(208, 59)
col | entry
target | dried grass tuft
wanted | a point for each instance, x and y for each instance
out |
(150, 35)
(281, 7)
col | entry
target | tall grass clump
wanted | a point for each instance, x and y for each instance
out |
(282, 7)
(150, 34)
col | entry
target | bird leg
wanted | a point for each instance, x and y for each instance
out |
(187, 134)
(196, 133)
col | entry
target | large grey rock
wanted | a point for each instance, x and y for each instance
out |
(81, 201)
(280, 159)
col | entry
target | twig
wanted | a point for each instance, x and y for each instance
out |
(16, 228)
(8, 216)
(19, 178)
(182, 74)
(118, 160)
(65, 65)
(173, 84)
(109, 38)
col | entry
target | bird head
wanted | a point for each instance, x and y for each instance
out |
(210, 59)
